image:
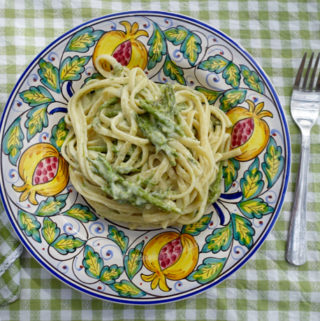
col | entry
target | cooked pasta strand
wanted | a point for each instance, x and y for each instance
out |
(144, 153)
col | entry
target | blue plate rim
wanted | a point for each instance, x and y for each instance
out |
(286, 169)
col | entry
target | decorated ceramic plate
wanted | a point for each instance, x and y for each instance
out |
(108, 260)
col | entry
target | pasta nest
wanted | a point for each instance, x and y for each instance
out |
(144, 153)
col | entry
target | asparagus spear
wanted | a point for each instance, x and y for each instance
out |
(125, 191)
(157, 138)
(112, 107)
(164, 111)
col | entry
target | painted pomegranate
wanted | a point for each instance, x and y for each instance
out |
(123, 46)
(169, 255)
(249, 132)
(43, 171)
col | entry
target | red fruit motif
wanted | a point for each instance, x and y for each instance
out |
(169, 255)
(43, 170)
(123, 53)
(250, 132)
(241, 132)
(124, 46)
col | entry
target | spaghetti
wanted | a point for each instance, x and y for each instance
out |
(144, 153)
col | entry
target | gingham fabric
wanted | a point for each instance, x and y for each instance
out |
(276, 33)
(10, 251)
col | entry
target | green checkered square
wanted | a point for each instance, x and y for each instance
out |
(10, 250)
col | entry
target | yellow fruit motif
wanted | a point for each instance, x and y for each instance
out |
(43, 170)
(123, 46)
(249, 132)
(169, 255)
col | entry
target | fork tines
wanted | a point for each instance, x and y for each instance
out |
(313, 75)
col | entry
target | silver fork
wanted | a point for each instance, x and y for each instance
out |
(305, 105)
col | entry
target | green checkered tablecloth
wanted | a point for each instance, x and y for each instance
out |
(276, 33)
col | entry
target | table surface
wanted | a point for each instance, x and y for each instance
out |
(276, 33)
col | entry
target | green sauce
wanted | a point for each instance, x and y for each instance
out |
(161, 121)
(125, 191)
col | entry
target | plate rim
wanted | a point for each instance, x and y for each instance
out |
(286, 168)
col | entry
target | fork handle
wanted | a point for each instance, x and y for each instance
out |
(296, 246)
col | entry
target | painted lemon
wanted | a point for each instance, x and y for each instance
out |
(43, 170)
(123, 46)
(249, 132)
(169, 255)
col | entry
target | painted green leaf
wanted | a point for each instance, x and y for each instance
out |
(208, 270)
(215, 64)
(59, 134)
(29, 224)
(232, 75)
(81, 213)
(83, 40)
(196, 228)
(35, 96)
(127, 289)
(71, 68)
(52, 205)
(37, 120)
(230, 173)
(13, 141)
(191, 48)
(50, 231)
(220, 239)
(211, 95)
(242, 230)
(158, 46)
(251, 183)
(65, 244)
(176, 35)
(49, 75)
(232, 98)
(133, 261)
(110, 273)
(273, 162)
(255, 208)
(173, 71)
(118, 237)
(251, 79)
(92, 262)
